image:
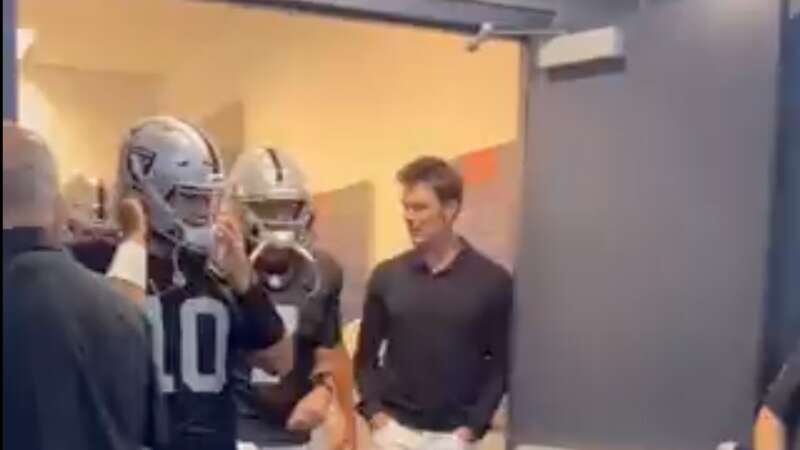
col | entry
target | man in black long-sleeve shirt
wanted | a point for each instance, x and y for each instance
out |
(433, 349)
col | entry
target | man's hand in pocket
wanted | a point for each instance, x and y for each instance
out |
(379, 421)
(465, 434)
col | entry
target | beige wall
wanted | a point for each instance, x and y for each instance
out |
(354, 101)
(84, 113)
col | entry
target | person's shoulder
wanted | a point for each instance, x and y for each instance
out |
(492, 276)
(488, 267)
(329, 264)
(111, 306)
(29, 275)
(63, 281)
(43, 268)
(400, 260)
(36, 259)
(387, 272)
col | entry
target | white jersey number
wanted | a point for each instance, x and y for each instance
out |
(191, 311)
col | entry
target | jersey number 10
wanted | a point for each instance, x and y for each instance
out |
(191, 311)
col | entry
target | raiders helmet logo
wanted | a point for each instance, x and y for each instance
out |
(140, 162)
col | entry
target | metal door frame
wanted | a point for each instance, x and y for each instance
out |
(10, 88)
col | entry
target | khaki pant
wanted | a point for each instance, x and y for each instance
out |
(252, 446)
(394, 436)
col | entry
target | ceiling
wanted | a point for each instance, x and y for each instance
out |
(153, 37)
(141, 36)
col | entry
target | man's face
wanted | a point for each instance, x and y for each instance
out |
(426, 217)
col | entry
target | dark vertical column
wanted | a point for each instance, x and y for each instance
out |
(9, 59)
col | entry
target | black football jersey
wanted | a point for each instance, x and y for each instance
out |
(95, 255)
(783, 399)
(198, 330)
(266, 401)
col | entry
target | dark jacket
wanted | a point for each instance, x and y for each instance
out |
(77, 364)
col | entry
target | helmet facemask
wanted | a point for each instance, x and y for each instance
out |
(278, 223)
(279, 230)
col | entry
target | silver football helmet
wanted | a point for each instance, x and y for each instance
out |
(177, 172)
(275, 205)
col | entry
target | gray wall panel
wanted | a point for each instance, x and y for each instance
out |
(642, 274)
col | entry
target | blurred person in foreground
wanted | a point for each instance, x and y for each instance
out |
(77, 361)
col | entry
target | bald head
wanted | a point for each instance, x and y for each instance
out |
(30, 180)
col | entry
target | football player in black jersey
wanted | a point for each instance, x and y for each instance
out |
(203, 301)
(267, 192)
(778, 423)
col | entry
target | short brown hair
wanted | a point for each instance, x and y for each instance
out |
(445, 180)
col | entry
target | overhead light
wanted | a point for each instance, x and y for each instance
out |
(25, 38)
(516, 4)
(603, 44)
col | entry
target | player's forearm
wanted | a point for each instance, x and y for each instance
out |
(128, 271)
(278, 359)
(770, 432)
(338, 364)
(334, 366)
(262, 325)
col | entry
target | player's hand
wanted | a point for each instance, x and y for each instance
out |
(350, 434)
(465, 434)
(231, 256)
(341, 431)
(133, 220)
(311, 411)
